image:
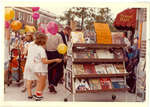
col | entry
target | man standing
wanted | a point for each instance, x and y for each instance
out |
(65, 34)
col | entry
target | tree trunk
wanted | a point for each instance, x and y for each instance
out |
(82, 23)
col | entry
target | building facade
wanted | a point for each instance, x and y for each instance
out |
(24, 14)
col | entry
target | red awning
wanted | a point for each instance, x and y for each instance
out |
(127, 18)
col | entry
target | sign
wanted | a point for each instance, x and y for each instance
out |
(103, 34)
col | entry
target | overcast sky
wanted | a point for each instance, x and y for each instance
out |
(59, 11)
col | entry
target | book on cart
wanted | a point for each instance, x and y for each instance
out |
(87, 54)
(117, 82)
(119, 68)
(110, 69)
(78, 69)
(95, 84)
(81, 85)
(89, 68)
(105, 83)
(100, 69)
(104, 54)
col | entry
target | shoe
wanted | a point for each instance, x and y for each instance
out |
(23, 89)
(37, 98)
(52, 89)
(30, 97)
(61, 81)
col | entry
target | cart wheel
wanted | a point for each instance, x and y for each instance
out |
(113, 97)
(65, 99)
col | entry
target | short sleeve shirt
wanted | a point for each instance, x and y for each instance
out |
(35, 54)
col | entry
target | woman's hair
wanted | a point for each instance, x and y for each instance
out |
(40, 39)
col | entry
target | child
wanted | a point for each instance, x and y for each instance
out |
(28, 40)
(36, 65)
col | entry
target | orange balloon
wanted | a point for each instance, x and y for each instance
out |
(16, 25)
(9, 14)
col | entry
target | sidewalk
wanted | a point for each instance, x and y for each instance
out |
(13, 93)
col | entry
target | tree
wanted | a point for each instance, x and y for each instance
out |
(87, 16)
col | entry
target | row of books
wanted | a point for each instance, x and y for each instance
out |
(99, 84)
(102, 54)
(98, 69)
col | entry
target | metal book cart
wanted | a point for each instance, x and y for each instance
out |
(71, 75)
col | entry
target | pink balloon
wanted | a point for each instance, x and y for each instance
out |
(7, 24)
(35, 9)
(35, 16)
(41, 29)
(52, 28)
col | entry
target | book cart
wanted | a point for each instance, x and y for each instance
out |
(100, 78)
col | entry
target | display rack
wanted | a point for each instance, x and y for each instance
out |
(71, 74)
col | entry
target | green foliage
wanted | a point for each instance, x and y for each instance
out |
(87, 16)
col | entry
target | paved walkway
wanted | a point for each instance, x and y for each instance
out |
(13, 93)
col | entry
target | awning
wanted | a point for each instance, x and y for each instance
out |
(126, 19)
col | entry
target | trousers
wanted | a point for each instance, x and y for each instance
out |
(54, 72)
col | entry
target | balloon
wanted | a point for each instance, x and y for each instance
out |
(16, 25)
(35, 16)
(41, 29)
(7, 24)
(9, 14)
(62, 48)
(35, 9)
(52, 28)
(29, 28)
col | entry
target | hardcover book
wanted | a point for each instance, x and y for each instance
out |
(105, 83)
(100, 69)
(89, 68)
(78, 69)
(94, 84)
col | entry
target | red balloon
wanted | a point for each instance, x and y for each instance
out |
(7, 24)
(35, 9)
(35, 16)
(52, 28)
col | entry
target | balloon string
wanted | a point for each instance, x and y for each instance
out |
(61, 56)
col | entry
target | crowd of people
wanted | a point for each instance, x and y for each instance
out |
(41, 60)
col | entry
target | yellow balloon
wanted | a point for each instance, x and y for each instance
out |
(29, 28)
(9, 14)
(62, 48)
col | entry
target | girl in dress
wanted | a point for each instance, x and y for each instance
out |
(36, 65)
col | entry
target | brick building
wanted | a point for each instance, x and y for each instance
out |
(24, 14)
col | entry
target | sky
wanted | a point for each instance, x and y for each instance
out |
(59, 11)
